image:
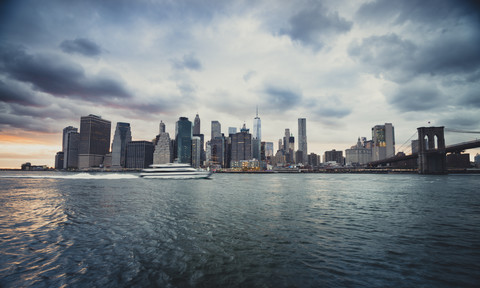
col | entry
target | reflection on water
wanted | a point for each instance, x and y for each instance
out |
(239, 230)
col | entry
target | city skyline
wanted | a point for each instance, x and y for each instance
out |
(345, 66)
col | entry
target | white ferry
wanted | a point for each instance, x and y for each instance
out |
(174, 171)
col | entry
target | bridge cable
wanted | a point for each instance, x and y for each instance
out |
(461, 131)
(402, 146)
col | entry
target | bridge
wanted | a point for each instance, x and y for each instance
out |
(431, 154)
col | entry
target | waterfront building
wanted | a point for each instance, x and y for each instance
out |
(383, 138)
(196, 151)
(217, 146)
(299, 157)
(122, 136)
(163, 152)
(216, 129)
(70, 155)
(94, 141)
(196, 125)
(139, 154)
(358, 154)
(302, 139)
(269, 149)
(242, 145)
(256, 137)
(313, 160)
(477, 160)
(66, 145)
(59, 160)
(333, 156)
(183, 140)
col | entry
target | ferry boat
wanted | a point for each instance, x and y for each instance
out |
(174, 171)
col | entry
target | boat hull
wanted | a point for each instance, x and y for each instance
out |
(177, 175)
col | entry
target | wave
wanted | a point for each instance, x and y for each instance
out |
(79, 176)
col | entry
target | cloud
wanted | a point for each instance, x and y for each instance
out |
(416, 96)
(400, 60)
(281, 97)
(81, 46)
(14, 93)
(314, 25)
(188, 62)
(471, 98)
(429, 12)
(59, 77)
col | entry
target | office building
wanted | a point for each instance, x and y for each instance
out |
(333, 156)
(242, 145)
(122, 136)
(358, 154)
(256, 137)
(139, 154)
(183, 140)
(217, 151)
(163, 152)
(302, 140)
(196, 151)
(196, 125)
(69, 159)
(59, 160)
(216, 129)
(383, 142)
(94, 141)
(70, 155)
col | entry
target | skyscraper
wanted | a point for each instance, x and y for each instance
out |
(163, 147)
(183, 140)
(94, 141)
(70, 147)
(257, 137)
(196, 125)
(216, 129)
(302, 138)
(242, 145)
(196, 151)
(139, 154)
(122, 136)
(383, 138)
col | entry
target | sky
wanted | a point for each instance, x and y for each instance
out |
(345, 66)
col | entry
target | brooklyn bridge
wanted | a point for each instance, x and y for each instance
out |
(430, 156)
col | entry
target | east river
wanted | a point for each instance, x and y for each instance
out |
(239, 230)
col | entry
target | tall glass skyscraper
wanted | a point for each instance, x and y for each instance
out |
(122, 136)
(70, 147)
(196, 125)
(216, 129)
(94, 141)
(302, 138)
(257, 137)
(183, 140)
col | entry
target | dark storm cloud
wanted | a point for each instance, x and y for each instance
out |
(471, 98)
(282, 98)
(416, 97)
(29, 123)
(401, 59)
(188, 61)
(313, 25)
(463, 121)
(58, 77)
(14, 93)
(81, 46)
(421, 11)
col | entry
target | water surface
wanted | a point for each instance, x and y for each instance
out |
(239, 230)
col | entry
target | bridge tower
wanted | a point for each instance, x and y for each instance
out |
(431, 150)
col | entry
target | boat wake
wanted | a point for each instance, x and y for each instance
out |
(79, 176)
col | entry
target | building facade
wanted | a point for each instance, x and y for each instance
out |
(242, 145)
(122, 136)
(196, 125)
(302, 140)
(196, 151)
(216, 129)
(139, 154)
(163, 152)
(383, 138)
(333, 156)
(358, 154)
(94, 141)
(67, 145)
(183, 140)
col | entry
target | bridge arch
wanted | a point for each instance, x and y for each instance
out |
(431, 150)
